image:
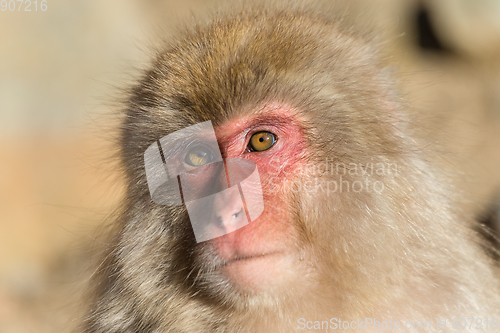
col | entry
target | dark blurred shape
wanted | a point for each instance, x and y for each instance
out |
(427, 38)
(489, 227)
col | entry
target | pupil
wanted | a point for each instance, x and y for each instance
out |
(261, 139)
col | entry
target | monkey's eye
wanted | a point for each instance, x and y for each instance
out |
(198, 156)
(261, 141)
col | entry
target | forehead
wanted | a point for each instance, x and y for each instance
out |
(234, 64)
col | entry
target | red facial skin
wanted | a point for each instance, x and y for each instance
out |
(259, 254)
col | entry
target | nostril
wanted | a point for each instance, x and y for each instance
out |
(235, 216)
(225, 220)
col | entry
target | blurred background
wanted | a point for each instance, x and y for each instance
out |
(60, 73)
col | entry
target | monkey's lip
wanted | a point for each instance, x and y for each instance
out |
(256, 272)
(251, 257)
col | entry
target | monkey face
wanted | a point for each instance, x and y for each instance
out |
(222, 196)
(267, 108)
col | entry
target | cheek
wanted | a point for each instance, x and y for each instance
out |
(276, 218)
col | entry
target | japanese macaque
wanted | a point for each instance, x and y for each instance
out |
(358, 227)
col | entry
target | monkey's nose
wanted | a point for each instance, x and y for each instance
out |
(232, 220)
(229, 210)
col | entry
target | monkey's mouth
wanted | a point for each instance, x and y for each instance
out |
(250, 257)
(256, 272)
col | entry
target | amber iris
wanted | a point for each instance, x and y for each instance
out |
(198, 156)
(261, 141)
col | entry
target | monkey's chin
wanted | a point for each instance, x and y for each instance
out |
(258, 273)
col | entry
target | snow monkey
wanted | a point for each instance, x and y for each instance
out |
(358, 230)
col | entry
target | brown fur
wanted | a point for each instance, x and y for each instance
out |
(406, 254)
